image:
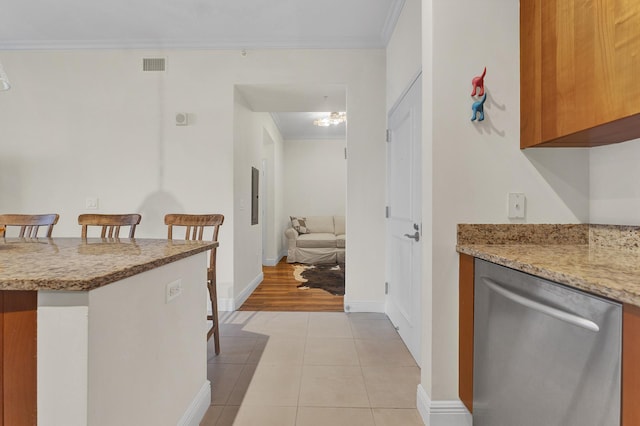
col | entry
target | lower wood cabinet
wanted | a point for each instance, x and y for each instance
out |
(18, 344)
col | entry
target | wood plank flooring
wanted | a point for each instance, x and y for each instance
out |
(278, 292)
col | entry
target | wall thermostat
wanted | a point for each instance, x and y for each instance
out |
(182, 119)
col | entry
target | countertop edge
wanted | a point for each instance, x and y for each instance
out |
(570, 280)
(97, 282)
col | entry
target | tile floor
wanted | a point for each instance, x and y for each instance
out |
(311, 369)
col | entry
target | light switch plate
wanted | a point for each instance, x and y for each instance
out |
(174, 289)
(91, 203)
(517, 205)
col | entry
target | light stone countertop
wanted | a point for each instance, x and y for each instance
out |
(73, 264)
(601, 259)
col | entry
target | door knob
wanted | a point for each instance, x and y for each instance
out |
(415, 236)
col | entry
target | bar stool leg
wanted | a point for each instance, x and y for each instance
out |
(211, 284)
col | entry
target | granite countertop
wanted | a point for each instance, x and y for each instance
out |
(74, 264)
(601, 259)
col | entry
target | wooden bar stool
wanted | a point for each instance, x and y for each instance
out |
(110, 223)
(195, 225)
(29, 223)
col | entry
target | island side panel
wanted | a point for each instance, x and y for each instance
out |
(465, 336)
(19, 345)
(62, 358)
(146, 352)
(630, 367)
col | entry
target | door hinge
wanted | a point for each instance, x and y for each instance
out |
(388, 135)
(345, 153)
(387, 212)
(386, 288)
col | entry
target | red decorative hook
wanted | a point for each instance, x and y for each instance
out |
(478, 83)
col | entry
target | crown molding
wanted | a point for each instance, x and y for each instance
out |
(319, 43)
(391, 21)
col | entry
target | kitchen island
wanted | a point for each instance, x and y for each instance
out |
(603, 260)
(103, 331)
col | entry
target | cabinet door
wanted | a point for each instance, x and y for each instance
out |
(630, 368)
(579, 64)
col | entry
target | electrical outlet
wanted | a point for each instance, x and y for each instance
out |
(517, 207)
(91, 203)
(174, 289)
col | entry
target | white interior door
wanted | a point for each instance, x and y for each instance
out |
(404, 227)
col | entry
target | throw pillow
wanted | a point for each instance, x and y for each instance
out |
(299, 224)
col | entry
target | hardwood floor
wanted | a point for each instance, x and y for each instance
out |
(278, 292)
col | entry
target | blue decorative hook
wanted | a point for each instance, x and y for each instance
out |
(478, 109)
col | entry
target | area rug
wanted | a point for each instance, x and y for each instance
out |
(328, 277)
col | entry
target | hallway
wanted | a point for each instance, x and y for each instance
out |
(311, 369)
(278, 292)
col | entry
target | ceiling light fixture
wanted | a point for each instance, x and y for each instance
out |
(4, 80)
(334, 119)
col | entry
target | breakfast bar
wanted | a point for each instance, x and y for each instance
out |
(103, 331)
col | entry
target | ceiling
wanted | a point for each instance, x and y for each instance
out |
(295, 107)
(220, 24)
(216, 24)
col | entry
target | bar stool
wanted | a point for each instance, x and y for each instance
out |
(195, 225)
(29, 223)
(110, 223)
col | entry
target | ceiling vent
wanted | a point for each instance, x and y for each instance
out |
(153, 64)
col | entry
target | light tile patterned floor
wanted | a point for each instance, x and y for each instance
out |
(311, 369)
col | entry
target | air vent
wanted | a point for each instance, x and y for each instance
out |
(153, 64)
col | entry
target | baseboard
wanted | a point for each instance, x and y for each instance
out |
(225, 304)
(442, 413)
(198, 407)
(244, 294)
(363, 306)
(228, 304)
(272, 262)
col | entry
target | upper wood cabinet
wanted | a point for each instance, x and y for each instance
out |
(580, 72)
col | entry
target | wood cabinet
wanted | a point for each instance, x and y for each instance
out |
(630, 393)
(18, 342)
(580, 72)
(465, 335)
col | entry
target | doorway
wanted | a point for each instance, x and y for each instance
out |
(303, 169)
(404, 217)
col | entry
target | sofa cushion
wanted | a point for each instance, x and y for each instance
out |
(320, 224)
(340, 225)
(299, 224)
(341, 241)
(316, 240)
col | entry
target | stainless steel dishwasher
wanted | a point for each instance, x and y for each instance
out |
(544, 354)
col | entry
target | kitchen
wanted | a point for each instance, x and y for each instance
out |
(468, 168)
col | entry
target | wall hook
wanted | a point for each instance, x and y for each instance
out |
(478, 109)
(478, 83)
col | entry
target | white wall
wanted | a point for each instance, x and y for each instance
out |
(91, 123)
(315, 177)
(404, 51)
(615, 184)
(475, 165)
(248, 150)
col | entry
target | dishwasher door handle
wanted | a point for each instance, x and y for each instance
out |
(541, 307)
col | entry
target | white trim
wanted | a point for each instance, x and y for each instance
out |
(404, 92)
(391, 21)
(244, 294)
(198, 407)
(442, 413)
(311, 43)
(272, 262)
(228, 304)
(363, 306)
(225, 304)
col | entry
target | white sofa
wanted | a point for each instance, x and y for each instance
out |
(320, 239)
